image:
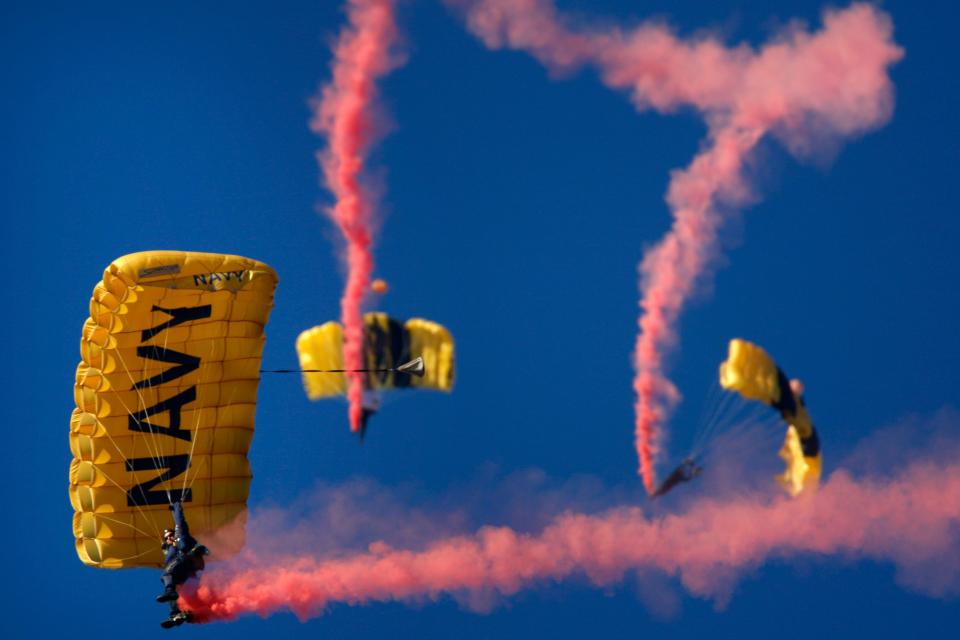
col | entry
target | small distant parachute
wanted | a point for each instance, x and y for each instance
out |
(379, 286)
(165, 396)
(388, 344)
(751, 372)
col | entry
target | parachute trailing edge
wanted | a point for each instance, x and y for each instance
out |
(751, 372)
(165, 396)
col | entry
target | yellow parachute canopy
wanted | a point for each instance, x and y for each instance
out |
(801, 471)
(165, 395)
(388, 345)
(751, 372)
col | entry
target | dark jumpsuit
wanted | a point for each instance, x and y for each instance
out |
(178, 567)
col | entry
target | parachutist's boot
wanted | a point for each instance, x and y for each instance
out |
(176, 619)
(168, 596)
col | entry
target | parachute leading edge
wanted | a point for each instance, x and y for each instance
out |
(751, 372)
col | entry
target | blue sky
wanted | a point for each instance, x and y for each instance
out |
(516, 208)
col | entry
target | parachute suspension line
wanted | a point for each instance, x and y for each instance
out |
(759, 415)
(722, 423)
(725, 419)
(193, 443)
(746, 435)
(746, 444)
(709, 405)
(136, 555)
(413, 367)
(722, 407)
(193, 439)
(719, 416)
(748, 431)
(153, 436)
(166, 341)
(142, 405)
(148, 437)
(728, 419)
(124, 524)
(708, 414)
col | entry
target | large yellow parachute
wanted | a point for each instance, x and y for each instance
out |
(750, 371)
(388, 345)
(165, 394)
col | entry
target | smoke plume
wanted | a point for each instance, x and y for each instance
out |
(910, 518)
(809, 89)
(344, 114)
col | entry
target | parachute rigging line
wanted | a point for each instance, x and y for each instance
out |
(413, 368)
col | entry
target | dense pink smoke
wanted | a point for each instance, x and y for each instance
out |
(809, 89)
(911, 519)
(344, 114)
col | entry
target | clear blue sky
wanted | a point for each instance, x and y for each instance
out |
(516, 210)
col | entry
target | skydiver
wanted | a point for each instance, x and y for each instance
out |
(369, 405)
(183, 558)
(686, 471)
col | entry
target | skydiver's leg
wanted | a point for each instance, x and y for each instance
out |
(169, 588)
(170, 584)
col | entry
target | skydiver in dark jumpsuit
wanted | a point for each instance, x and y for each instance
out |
(183, 557)
(687, 471)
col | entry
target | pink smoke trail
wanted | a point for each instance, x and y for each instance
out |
(806, 88)
(911, 519)
(363, 53)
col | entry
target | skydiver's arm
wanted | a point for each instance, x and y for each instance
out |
(182, 530)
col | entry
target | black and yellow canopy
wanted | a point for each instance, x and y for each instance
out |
(388, 344)
(751, 372)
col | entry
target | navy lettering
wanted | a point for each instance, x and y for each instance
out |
(173, 405)
(141, 495)
(185, 364)
(172, 466)
(177, 316)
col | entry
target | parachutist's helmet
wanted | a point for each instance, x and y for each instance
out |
(167, 533)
